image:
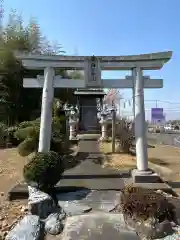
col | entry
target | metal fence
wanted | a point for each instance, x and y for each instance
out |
(172, 139)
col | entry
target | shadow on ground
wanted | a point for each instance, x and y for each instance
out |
(72, 160)
(174, 184)
(91, 176)
(158, 161)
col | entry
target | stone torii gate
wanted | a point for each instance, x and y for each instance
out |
(92, 67)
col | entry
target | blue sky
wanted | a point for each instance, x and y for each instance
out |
(115, 27)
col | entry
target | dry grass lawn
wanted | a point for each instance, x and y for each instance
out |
(11, 166)
(11, 169)
(164, 160)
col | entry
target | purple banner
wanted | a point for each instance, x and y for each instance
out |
(157, 114)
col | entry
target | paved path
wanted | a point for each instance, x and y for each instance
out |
(87, 174)
(91, 175)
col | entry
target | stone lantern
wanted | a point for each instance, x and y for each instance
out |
(73, 121)
(103, 122)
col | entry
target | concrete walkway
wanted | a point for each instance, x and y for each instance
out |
(91, 175)
(88, 174)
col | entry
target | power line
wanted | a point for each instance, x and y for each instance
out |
(155, 100)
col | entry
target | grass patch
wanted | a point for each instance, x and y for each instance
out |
(120, 161)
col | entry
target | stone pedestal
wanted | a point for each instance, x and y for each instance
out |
(72, 129)
(146, 176)
(103, 129)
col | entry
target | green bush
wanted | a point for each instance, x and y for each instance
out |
(11, 136)
(25, 124)
(28, 146)
(30, 130)
(59, 124)
(58, 134)
(45, 169)
(29, 123)
(3, 133)
(27, 132)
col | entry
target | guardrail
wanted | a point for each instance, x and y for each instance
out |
(172, 131)
(163, 131)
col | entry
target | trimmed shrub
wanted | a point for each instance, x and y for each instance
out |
(141, 204)
(57, 145)
(25, 124)
(59, 124)
(58, 142)
(44, 169)
(28, 146)
(29, 123)
(28, 132)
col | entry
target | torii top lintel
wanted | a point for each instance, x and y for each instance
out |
(145, 61)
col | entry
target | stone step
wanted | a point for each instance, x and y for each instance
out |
(85, 175)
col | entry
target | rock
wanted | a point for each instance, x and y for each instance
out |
(54, 223)
(72, 202)
(26, 229)
(74, 208)
(102, 200)
(82, 201)
(174, 236)
(71, 196)
(97, 226)
(150, 229)
(40, 203)
(164, 193)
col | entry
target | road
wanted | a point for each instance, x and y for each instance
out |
(164, 138)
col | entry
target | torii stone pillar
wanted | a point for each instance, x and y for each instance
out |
(46, 111)
(140, 133)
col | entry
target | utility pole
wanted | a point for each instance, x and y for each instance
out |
(156, 103)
